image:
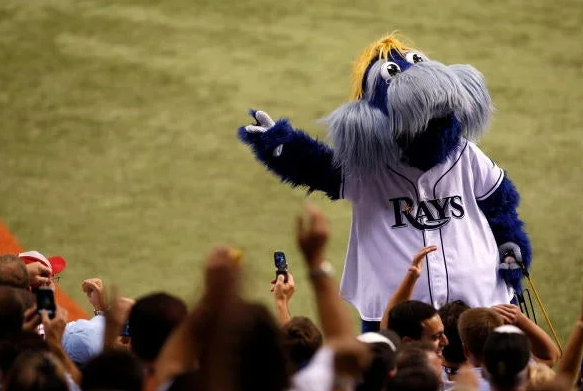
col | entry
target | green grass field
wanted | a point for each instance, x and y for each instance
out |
(118, 123)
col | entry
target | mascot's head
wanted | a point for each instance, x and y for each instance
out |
(407, 108)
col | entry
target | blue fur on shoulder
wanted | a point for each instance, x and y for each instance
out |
(435, 145)
(304, 162)
(500, 211)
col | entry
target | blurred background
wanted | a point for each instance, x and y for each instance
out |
(118, 127)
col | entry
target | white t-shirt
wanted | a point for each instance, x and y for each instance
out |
(399, 211)
(318, 375)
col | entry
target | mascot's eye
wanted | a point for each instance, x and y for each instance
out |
(389, 69)
(414, 58)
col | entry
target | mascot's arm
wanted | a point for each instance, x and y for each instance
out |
(292, 155)
(500, 211)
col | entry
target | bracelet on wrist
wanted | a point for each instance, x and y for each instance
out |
(325, 269)
(100, 312)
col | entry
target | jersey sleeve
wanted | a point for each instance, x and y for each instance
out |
(486, 174)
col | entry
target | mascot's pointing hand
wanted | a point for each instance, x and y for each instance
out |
(263, 122)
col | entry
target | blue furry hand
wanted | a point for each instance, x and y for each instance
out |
(262, 122)
(294, 156)
(513, 277)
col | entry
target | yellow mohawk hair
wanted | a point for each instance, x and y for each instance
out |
(376, 50)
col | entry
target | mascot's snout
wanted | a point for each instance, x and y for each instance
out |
(430, 90)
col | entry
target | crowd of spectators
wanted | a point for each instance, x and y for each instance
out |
(226, 343)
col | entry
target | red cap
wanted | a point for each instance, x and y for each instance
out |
(57, 264)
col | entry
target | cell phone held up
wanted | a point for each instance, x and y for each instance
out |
(45, 300)
(280, 264)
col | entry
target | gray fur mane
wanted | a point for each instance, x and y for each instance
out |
(364, 136)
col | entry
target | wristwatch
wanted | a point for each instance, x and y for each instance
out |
(325, 269)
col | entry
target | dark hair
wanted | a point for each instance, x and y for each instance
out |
(262, 360)
(152, 319)
(474, 326)
(22, 341)
(113, 370)
(506, 356)
(11, 312)
(13, 272)
(27, 298)
(414, 379)
(405, 318)
(450, 314)
(301, 340)
(413, 355)
(249, 354)
(376, 376)
(36, 371)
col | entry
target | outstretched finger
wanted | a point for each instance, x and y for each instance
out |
(421, 254)
(263, 119)
(255, 129)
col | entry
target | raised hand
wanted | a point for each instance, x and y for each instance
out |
(31, 319)
(54, 328)
(263, 122)
(38, 274)
(416, 266)
(93, 288)
(509, 313)
(283, 291)
(223, 272)
(313, 232)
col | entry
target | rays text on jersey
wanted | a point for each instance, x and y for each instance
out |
(426, 215)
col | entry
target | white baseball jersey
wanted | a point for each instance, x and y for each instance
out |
(398, 212)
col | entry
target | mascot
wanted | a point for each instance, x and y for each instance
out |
(404, 154)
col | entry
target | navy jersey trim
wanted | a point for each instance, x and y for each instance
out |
(449, 169)
(440, 235)
(445, 264)
(422, 232)
(493, 188)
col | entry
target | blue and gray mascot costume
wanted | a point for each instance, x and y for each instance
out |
(403, 154)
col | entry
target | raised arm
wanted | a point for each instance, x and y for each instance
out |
(282, 294)
(189, 340)
(569, 365)
(405, 290)
(312, 235)
(292, 155)
(543, 348)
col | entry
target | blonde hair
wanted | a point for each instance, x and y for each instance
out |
(380, 49)
(474, 326)
(540, 375)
